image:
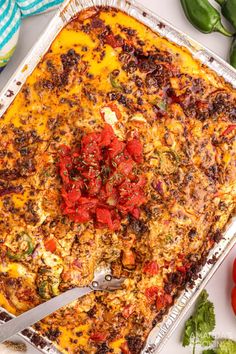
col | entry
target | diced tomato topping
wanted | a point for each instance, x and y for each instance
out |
(135, 149)
(95, 185)
(151, 293)
(114, 41)
(50, 245)
(229, 129)
(234, 271)
(81, 215)
(104, 217)
(126, 167)
(101, 181)
(74, 195)
(107, 135)
(98, 337)
(233, 299)
(116, 147)
(151, 268)
(65, 151)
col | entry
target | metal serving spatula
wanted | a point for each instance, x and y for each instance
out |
(103, 281)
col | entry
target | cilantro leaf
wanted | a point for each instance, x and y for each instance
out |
(226, 346)
(199, 326)
(189, 332)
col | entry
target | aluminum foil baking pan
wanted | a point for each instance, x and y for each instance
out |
(66, 12)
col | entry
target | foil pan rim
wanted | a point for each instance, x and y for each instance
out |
(162, 331)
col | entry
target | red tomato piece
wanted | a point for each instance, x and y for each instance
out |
(90, 138)
(74, 195)
(115, 221)
(81, 215)
(233, 299)
(135, 149)
(94, 186)
(91, 173)
(229, 129)
(104, 217)
(65, 150)
(107, 135)
(88, 202)
(141, 182)
(91, 153)
(126, 167)
(50, 245)
(64, 170)
(98, 337)
(234, 271)
(151, 293)
(116, 147)
(151, 268)
(131, 201)
(68, 209)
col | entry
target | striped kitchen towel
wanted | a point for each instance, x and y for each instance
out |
(11, 12)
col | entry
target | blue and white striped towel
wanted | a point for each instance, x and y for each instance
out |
(11, 12)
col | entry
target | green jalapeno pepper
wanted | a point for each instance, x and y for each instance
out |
(42, 290)
(114, 82)
(30, 248)
(228, 9)
(204, 16)
(232, 55)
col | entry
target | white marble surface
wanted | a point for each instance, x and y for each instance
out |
(220, 285)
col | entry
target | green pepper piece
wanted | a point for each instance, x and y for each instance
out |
(29, 250)
(114, 83)
(162, 105)
(232, 55)
(204, 16)
(228, 9)
(42, 289)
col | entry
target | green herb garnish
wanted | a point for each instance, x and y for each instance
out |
(199, 326)
(225, 346)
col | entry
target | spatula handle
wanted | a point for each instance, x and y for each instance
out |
(36, 314)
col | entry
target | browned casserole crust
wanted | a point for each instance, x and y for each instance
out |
(105, 66)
